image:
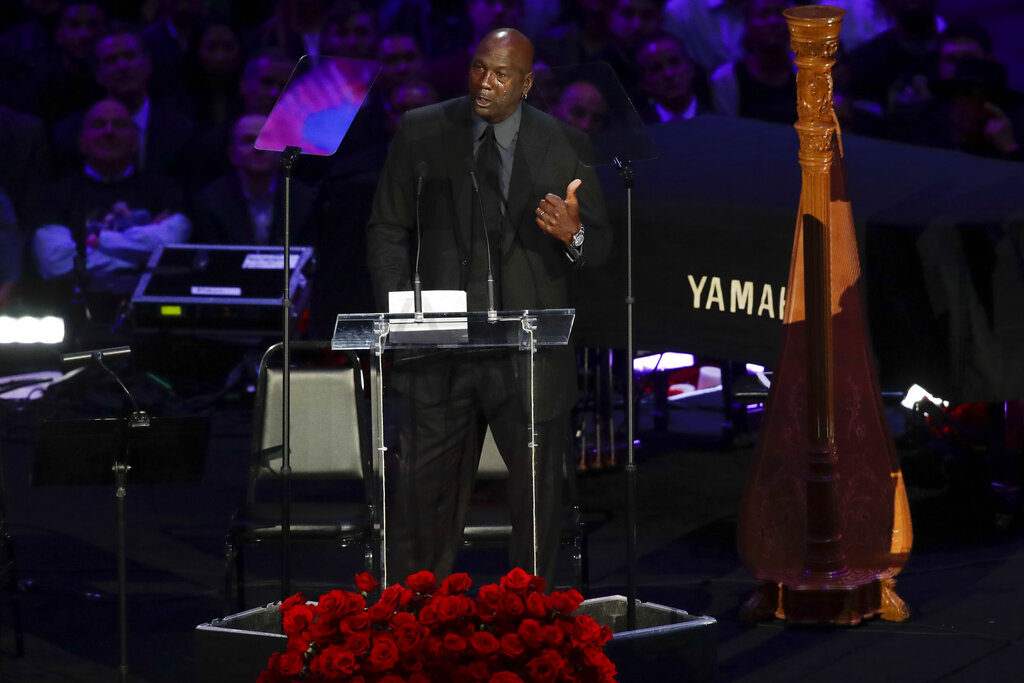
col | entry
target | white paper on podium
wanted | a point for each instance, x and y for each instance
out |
(446, 331)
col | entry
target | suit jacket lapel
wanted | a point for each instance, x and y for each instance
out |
(530, 153)
(458, 143)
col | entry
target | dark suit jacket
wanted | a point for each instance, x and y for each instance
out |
(535, 271)
(222, 217)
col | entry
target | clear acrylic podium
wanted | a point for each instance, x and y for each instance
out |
(525, 331)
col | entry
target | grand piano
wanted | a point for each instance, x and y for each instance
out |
(941, 238)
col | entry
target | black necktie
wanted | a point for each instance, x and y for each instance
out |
(488, 171)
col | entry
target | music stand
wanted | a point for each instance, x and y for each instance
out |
(618, 138)
(311, 116)
(106, 449)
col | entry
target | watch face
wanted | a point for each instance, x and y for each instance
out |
(577, 239)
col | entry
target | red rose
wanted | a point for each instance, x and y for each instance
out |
(429, 617)
(418, 678)
(421, 582)
(512, 645)
(323, 629)
(484, 643)
(332, 661)
(585, 630)
(449, 607)
(595, 658)
(490, 596)
(604, 636)
(380, 612)
(402, 618)
(505, 677)
(553, 635)
(565, 601)
(332, 604)
(383, 654)
(409, 636)
(297, 599)
(536, 605)
(296, 620)
(454, 642)
(287, 663)
(455, 584)
(358, 643)
(479, 671)
(516, 580)
(511, 606)
(354, 603)
(537, 583)
(366, 583)
(391, 678)
(268, 676)
(545, 667)
(531, 633)
(355, 623)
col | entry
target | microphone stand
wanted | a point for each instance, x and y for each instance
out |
(626, 171)
(288, 159)
(492, 313)
(138, 419)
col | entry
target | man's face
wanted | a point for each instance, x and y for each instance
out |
(667, 73)
(405, 98)
(109, 136)
(631, 21)
(77, 29)
(583, 106)
(261, 86)
(765, 26)
(356, 38)
(219, 50)
(244, 155)
(122, 66)
(499, 75)
(400, 58)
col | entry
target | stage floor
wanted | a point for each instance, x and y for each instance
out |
(961, 583)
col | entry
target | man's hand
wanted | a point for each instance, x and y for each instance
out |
(559, 217)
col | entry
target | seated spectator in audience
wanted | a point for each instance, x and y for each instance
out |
(710, 30)
(895, 66)
(963, 39)
(669, 82)
(400, 60)
(212, 70)
(123, 70)
(10, 251)
(582, 106)
(631, 22)
(168, 41)
(110, 215)
(762, 85)
(246, 206)
(585, 37)
(349, 30)
(295, 26)
(970, 112)
(407, 95)
(63, 83)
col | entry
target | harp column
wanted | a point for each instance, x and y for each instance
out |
(814, 36)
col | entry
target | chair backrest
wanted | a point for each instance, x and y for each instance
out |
(328, 430)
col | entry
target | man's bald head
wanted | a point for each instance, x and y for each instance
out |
(500, 74)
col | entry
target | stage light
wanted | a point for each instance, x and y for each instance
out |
(30, 330)
(916, 394)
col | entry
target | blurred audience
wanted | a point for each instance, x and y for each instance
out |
(583, 106)
(349, 30)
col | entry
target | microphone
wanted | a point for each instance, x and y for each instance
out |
(97, 354)
(417, 291)
(492, 313)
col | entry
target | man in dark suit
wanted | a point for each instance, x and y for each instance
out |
(246, 206)
(525, 162)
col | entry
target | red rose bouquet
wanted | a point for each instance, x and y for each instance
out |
(422, 631)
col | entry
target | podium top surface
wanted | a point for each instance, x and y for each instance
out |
(454, 330)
